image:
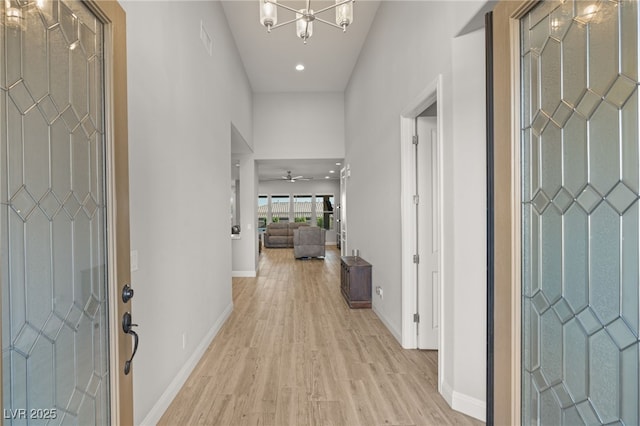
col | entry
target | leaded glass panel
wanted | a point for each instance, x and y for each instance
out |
(52, 214)
(581, 249)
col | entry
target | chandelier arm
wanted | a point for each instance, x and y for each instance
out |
(285, 23)
(333, 6)
(284, 6)
(329, 23)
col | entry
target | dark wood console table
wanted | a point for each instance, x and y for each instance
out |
(355, 281)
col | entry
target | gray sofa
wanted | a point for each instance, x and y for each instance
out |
(309, 242)
(280, 235)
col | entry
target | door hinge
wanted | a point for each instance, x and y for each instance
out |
(415, 140)
(416, 258)
(416, 317)
(416, 199)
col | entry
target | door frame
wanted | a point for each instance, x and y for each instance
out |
(117, 177)
(507, 195)
(431, 94)
(117, 189)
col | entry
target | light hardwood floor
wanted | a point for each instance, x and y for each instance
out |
(293, 353)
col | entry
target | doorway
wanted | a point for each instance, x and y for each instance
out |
(427, 230)
(64, 227)
(421, 164)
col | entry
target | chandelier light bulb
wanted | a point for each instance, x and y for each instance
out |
(304, 24)
(344, 14)
(268, 13)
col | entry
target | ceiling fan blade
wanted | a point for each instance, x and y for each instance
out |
(297, 177)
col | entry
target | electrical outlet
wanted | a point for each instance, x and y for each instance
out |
(379, 291)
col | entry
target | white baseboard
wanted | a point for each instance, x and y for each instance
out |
(243, 274)
(156, 412)
(387, 324)
(464, 403)
(470, 406)
(447, 392)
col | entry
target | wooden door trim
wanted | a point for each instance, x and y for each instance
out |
(506, 190)
(117, 191)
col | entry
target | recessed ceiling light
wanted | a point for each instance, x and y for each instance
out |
(338, 164)
(327, 177)
(299, 67)
(332, 171)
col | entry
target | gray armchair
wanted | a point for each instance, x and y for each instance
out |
(309, 242)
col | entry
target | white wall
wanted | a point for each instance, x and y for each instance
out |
(409, 45)
(319, 187)
(181, 104)
(298, 125)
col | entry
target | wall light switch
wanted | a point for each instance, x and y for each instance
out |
(134, 260)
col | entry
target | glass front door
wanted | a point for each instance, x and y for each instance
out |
(580, 213)
(53, 224)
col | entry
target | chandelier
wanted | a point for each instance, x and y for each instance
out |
(304, 18)
(15, 12)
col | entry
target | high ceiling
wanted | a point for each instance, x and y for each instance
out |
(270, 59)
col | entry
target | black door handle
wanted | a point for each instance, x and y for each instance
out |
(126, 327)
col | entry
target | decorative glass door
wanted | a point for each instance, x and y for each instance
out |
(580, 213)
(53, 225)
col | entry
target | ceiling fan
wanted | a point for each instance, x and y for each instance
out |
(290, 178)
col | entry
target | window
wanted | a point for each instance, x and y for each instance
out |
(263, 211)
(324, 211)
(280, 208)
(302, 208)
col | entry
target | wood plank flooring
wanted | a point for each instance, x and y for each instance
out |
(293, 353)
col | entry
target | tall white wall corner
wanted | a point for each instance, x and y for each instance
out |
(157, 411)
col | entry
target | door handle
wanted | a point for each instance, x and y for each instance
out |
(126, 327)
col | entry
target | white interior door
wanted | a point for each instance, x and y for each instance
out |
(428, 239)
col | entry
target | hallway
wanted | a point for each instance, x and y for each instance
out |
(292, 353)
